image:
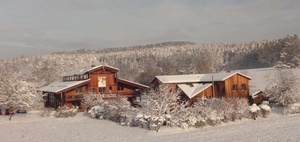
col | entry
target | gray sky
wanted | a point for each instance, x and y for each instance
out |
(30, 27)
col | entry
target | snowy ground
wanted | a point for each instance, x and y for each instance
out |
(33, 128)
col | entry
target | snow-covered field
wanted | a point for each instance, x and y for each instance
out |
(33, 128)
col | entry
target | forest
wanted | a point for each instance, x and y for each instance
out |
(142, 63)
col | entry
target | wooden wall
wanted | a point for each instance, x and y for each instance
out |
(110, 81)
(207, 93)
(238, 80)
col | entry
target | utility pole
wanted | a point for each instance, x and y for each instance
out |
(213, 86)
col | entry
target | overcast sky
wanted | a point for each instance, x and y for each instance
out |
(30, 27)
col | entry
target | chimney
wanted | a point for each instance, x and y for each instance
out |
(93, 66)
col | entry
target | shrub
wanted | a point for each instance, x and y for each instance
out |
(46, 112)
(64, 112)
(97, 112)
(265, 109)
(253, 110)
(292, 109)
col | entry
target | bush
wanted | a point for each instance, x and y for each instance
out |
(292, 109)
(118, 111)
(97, 112)
(253, 110)
(265, 109)
(46, 112)
(64, 112)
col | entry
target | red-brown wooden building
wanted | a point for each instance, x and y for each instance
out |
(102, 80)
(192, 86)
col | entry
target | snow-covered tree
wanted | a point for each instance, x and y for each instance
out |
(283, 88)
(15, 91)
(157, 106)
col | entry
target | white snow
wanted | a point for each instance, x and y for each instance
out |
(31, 127)
(254, 108)
(265, 107)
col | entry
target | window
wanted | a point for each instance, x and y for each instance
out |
(120, 88)
(234, 87)
(78, 90)
(243, 87)
(85, 76)
(110, 88)
(102, 90)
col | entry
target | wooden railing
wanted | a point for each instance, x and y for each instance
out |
(103, 96)
(75, 97)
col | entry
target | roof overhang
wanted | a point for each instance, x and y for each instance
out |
(134, 84)
(61, 87)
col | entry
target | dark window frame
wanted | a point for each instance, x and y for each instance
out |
(243, 87)
(234, 87)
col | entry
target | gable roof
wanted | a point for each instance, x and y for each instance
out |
(92, 69)
(220, 76)
(187, 78)
(197, 78)
(193, 89)
(59, 87)
(131, 83)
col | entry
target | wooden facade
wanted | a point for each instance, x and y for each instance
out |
(100, 80)
(226, 85)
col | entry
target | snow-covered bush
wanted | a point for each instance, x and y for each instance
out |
(46, 112)
(240, 107)
(118, 110)
(90, 100)
(292, 109)
(253, 110)
(64, 112)
(97, 112)
(265, 108)
(222, 108)
(158, 106)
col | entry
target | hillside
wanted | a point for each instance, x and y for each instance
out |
(142, 63)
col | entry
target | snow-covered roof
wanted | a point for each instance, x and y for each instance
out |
(197, 78)
(188, 78)
(57, 87)
(86, 70)
(193, 89)
(254, 92)
(132, 83)
(220, 76)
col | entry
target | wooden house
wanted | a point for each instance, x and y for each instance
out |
(101, 80)
(192, 86)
